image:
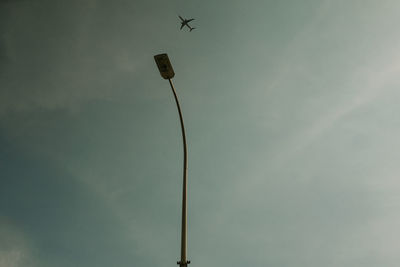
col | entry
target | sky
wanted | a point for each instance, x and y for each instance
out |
(292, 120)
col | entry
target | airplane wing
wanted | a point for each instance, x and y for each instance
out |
(189, 20)
(181, 18)
(182, 25)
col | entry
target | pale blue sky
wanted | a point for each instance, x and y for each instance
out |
(291, 110)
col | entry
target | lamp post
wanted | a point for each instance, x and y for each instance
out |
(167, 72)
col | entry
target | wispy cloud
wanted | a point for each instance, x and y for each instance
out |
(354, 85)
(14, 248)
(374, 82)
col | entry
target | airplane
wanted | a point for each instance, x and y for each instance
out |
(185, 22)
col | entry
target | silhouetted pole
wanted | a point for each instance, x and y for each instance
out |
(167, 72)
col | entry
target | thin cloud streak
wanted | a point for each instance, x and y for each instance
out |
(375, 85)
(14, 248)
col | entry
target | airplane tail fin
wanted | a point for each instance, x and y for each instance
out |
(191, 29)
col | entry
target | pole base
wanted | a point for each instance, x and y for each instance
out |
(183, 264)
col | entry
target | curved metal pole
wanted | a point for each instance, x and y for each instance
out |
(183, 262)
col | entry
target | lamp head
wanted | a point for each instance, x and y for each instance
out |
(164, 66)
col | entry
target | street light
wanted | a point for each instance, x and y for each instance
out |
(167, 72)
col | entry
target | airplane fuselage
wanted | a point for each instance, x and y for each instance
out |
(185, 22)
